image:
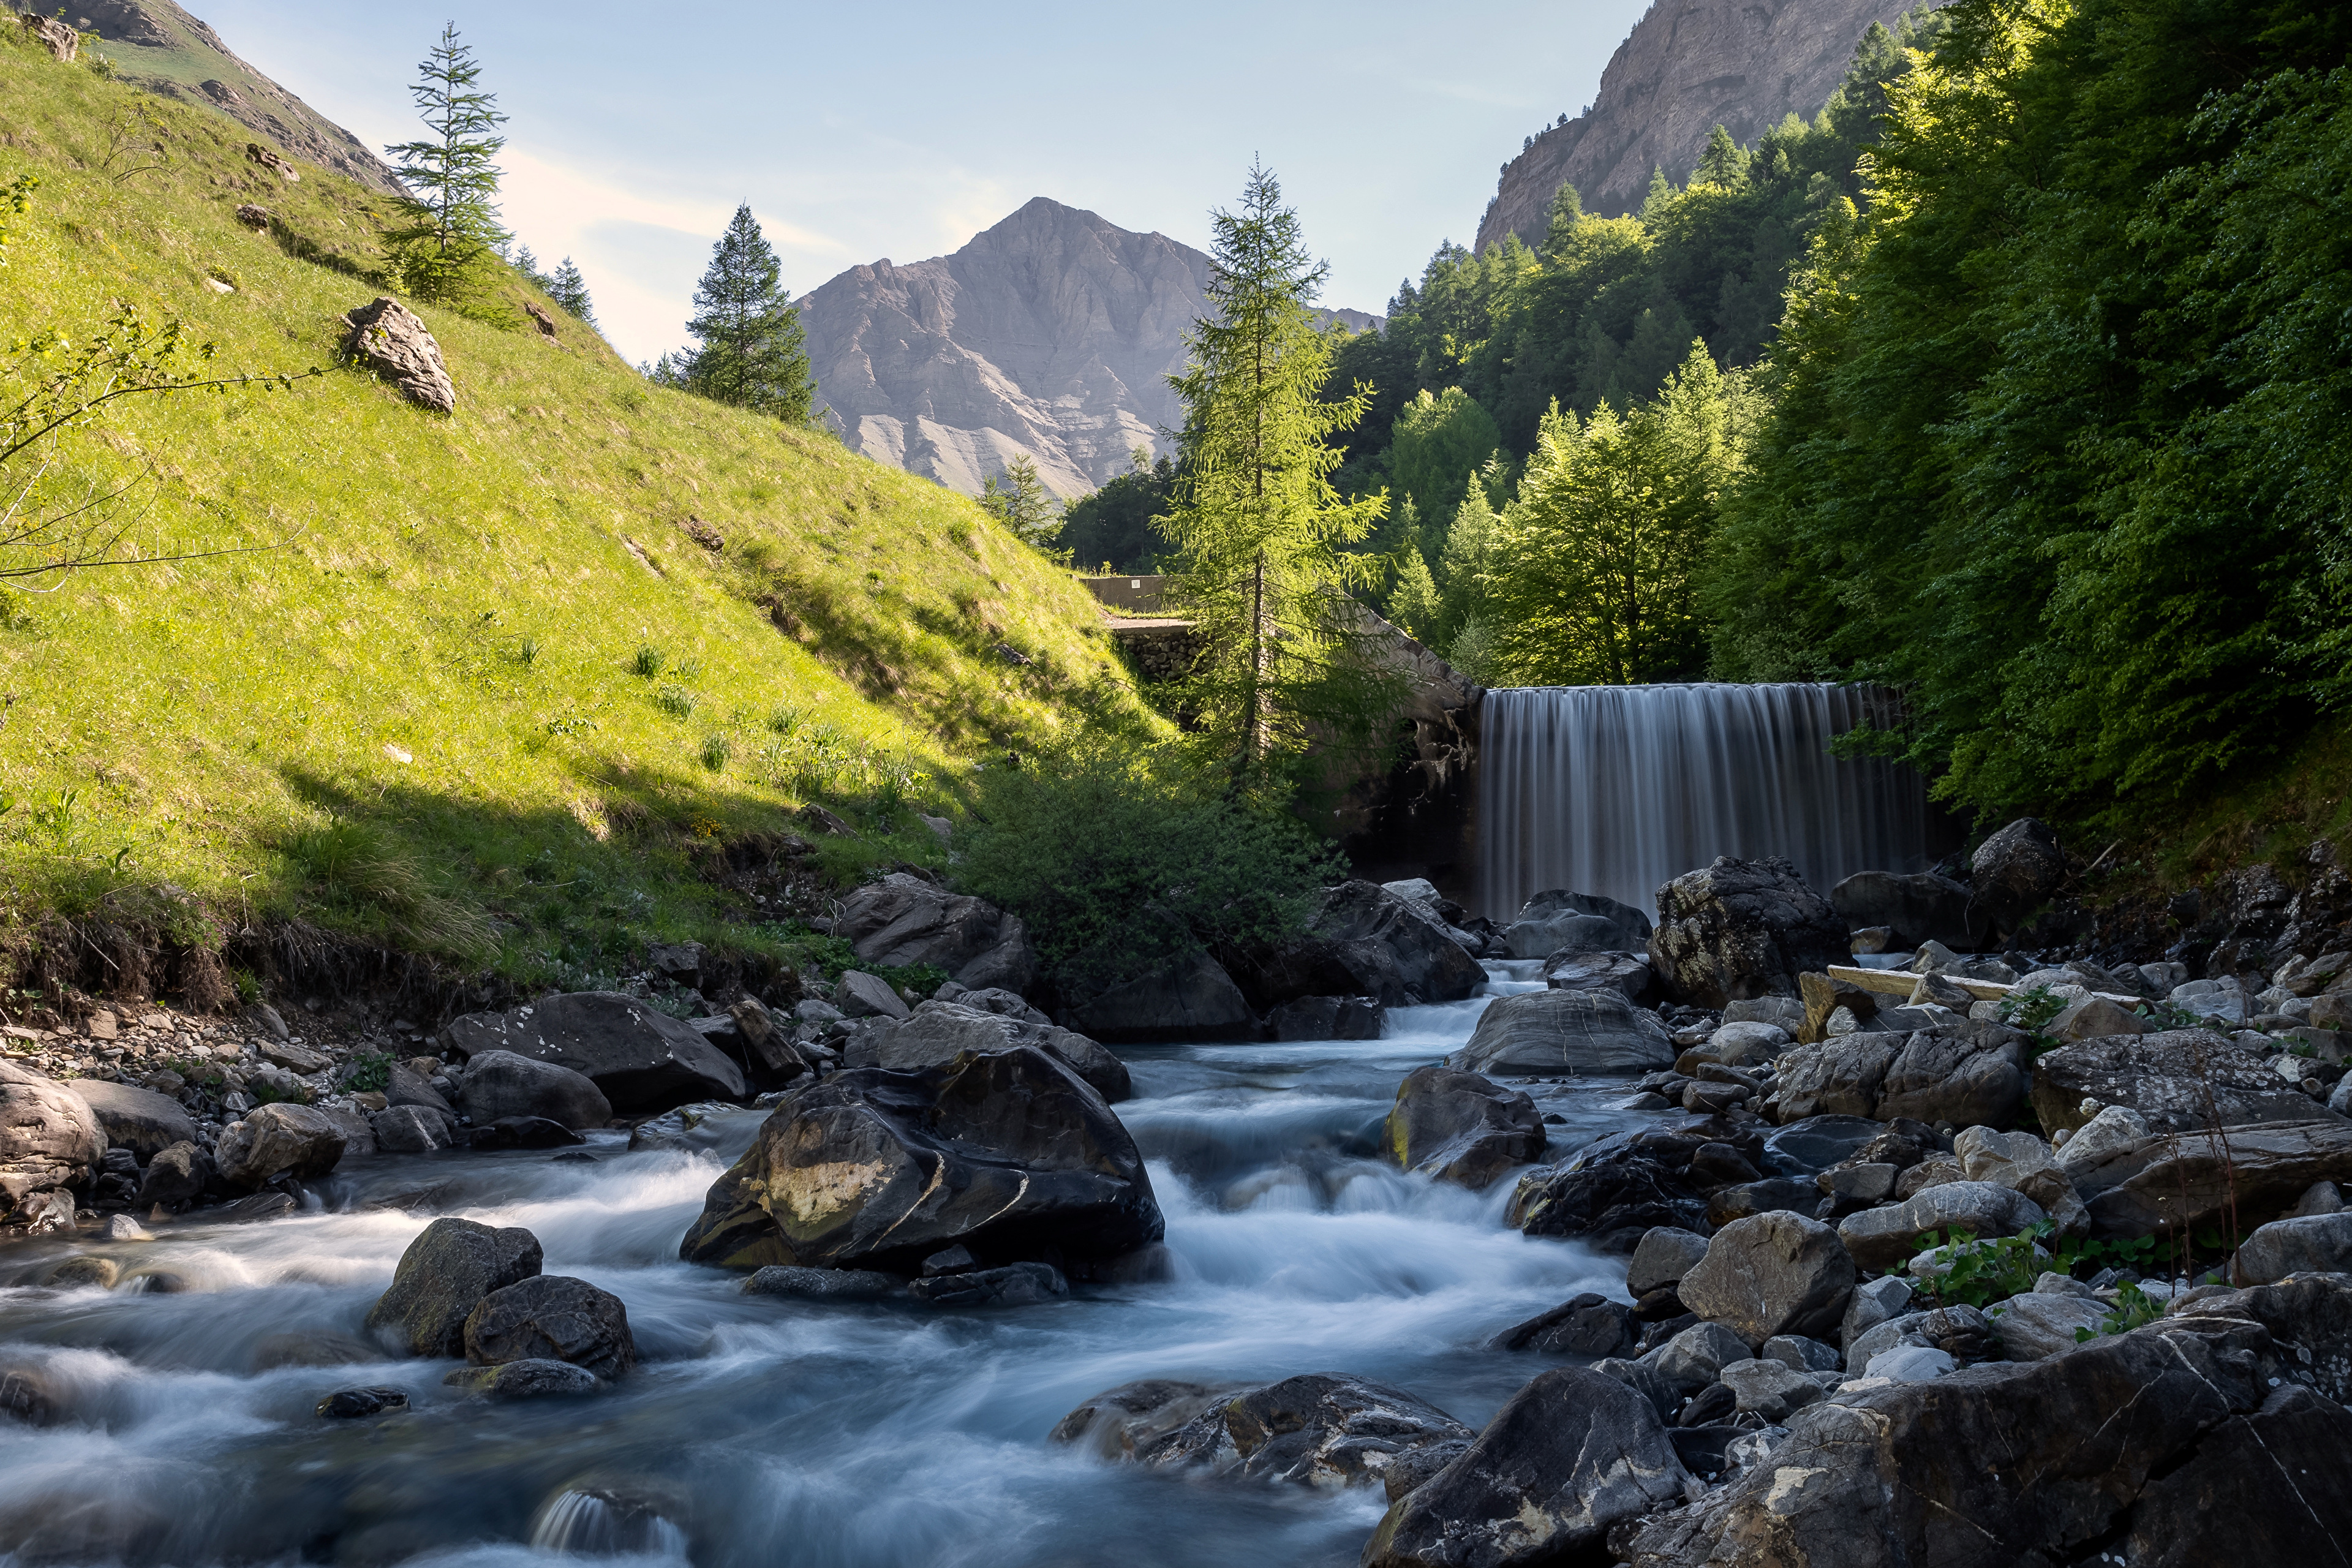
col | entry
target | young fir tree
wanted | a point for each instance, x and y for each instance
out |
(569, 290)
(448, 237)
(1262, 570)
(1018, 499)
(753, 353)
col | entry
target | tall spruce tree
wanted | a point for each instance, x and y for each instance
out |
(448, 236)
(1261, 533)
(753, 353)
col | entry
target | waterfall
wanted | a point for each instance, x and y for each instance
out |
(1617, 789)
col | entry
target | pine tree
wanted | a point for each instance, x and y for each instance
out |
(449, 233)
(569, 290)
(753, 353)
(1262, 570)
(1017, 498)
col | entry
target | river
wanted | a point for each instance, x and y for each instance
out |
(769, 1431)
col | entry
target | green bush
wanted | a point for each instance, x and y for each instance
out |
(1121, 857)
(367, 1071)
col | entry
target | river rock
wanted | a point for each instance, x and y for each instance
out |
(1563, 922)
(278, 1140)
(523, 1133)
(1586, 1325)
(2201, 1180)
(2017, 870)
(1742, 928)
(902, 922)
(642, 1060)
(1920, 908)
(1772, 1274)
(138, 1120)
(2314, 1244)
(1321, 1429)
(506, 1083)
(49, 1137)
(1552, 1032)
(1013, 1285)
(2115, 1131)
(822, 1284)
(2035, 1326)
(550, 1316)
(1666, 1253)
(409, 1130)
(1883, 1237)
(937, 1032)
(1696, 1356)
(535, 1377)
(174, 1178)
(1616, 1202)
(1768, 1389)
(1120, 1422)
(1461, 1128)
(1838, 1078)
(1569, 1455)
(1743, 1044)
(1431, 966)
(1328, 1018)
(348, 1404)
(442, 1276)
(1814, 1143)
(1941, 1078)
(2176, 1079)
(1007, 1152)
(389, 339)
(2023, 1163)
(1187, 999)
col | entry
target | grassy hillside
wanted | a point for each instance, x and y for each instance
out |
(510, 671)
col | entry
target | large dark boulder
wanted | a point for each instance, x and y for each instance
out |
(1555, 1032)
(2016, 871)
(2176, 1078)
(1584, 1325)
(937, 1032)
(1328, 1018)
(2241, 1176)
(49, 1137)
(1882, 1238)
(550, 1316)
(1968, 1079)
(174, 1178)
(1365, 941)
(903, 920)
(1562, 921)
(1617, 1202)
(1458, 1127)
(501, 1084)
(442, 1276)
(138, 1120)
(1007, 1152)
(1772, 1274)
(1918, 909)
(641, 1060)
(1739, 929)
(1320, 1429)
(2260, 1488)
(1569, 1455)
(1187, 999)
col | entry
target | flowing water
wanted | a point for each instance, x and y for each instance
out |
(760, 1430)
(1615, 789)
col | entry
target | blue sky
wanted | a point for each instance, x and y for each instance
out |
(858, 132)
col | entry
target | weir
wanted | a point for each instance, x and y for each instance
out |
(1617, 789)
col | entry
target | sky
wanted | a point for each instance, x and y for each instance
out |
(857, 134)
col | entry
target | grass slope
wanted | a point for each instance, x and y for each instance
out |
(494, 698)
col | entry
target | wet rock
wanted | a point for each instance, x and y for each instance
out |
(1665, 1255)
(348, 1404)
(640, 1059)
(1122, 1422)
(505, 1083)
(1013, 1285)
(1416, 1465)
(1881, 1238)
(552, 1316)
(1814, 1143)
(2314, 1244)
(138, 1120)
(1916, 909)
(1585, 1325)
(1007, 1152)
(86, 1272)
(49, 1137)
(1461, 1128)
(1428, 962)
(2176, 1080)
(1608, 1200)
(442, 1276)
(2199, 1180)
(1191, 998)
(534, 1378)
(1552, 1032)
(525, 1132)
(903, 922)
(1321, 1429)
(1569, 1455)
(1697, 1355)
(258, 1207)
(387, 337)
(1939, 1077)
(937, 1032)
(1627, 973)
(822, 1284)
(1742, 928)
(1563, 922)
(2035, 1327)
(409, 1130)
(278, 1140)
(1328, 1018)
(1772, 1274)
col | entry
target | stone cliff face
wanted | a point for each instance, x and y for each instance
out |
(1688, 67)
(161, 49)
(1051, 335)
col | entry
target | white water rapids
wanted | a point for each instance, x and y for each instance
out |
(767, 1431)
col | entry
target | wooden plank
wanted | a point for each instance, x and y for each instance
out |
(1899, 981)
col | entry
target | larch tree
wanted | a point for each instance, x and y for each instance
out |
(448, 235)
(1262, 571)
(754, 354)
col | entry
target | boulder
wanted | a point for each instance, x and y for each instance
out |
(387, 337)
(2314, 1244)
(1916, 909)
(1458, 1127)
(1874, 1301)
(1666, 1253)
(2200, 1180)
(1007, 1152)
(505, 1083)
(1013, 1285)
(442, 1276)
(1553, 1032)
(174, 1178)
(348, 1404)
(404, 1085)
(1696, 1356)
(409, 1130)
(1617, 1202)
(1583, 1325)
(2037, 1326)
(1122, 1422)
(2113, 1133)
(1769, 1390)
(278, 1140)
(49, 1137)
(2016, 871)
(2260, 1488)
(2023, 1163)
(1568, 1456)
(2176, 1080)
(862, 996)
(138, 1120)
(1429, 963)
(532, 1378)
(1743, 1044)
(1950, 1079)
(1883, 1237)
(1625, 972)
(53, 34)
(1742, 928)
(1838, 1078)
(1563, 922)
(1328, 1018)
(1189, 999)
(1322, 1429)
(822, 1284)
(937, 1032)
(902, 922)
(1814, 1143)
(642, 1060)
(524, 1132)
(1772, 1274)
(550, 1317)
(2095, 1017)
(2218, 999)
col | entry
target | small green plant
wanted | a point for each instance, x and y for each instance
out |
(526, 652)
(785, 720)
(368, 1071)
(2134, 1309)
(716, 751)
(690, 669)
(248, 989)
(2029, 1009)
(648, 661)
(675, 701)
(1963, 1269)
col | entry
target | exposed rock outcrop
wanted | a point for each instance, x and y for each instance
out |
(388, 338)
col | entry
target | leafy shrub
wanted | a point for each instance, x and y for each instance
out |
(1122, 860)
(367, 1072)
